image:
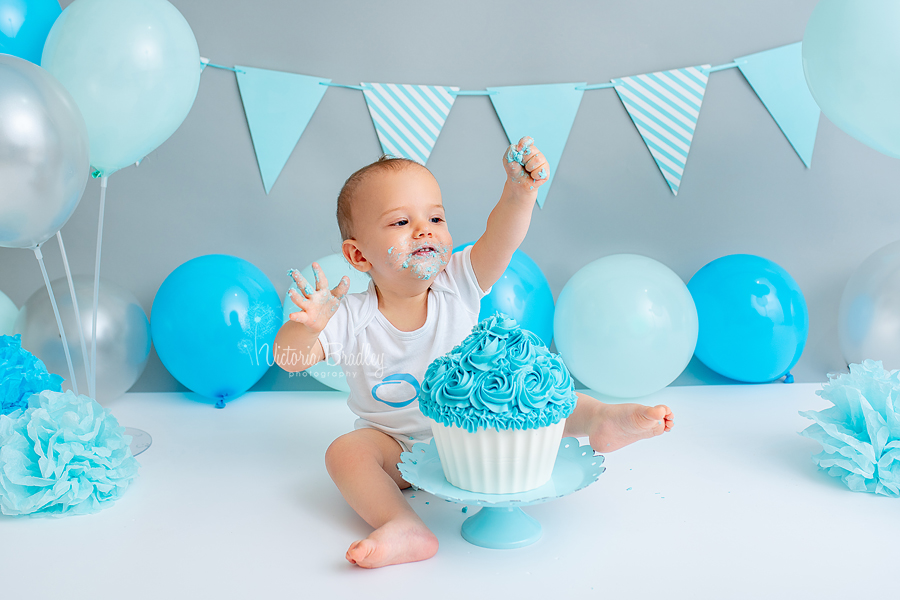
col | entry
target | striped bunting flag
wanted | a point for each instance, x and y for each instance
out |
(665, 107)
(408, 118)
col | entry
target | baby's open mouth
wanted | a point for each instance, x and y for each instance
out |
(424, 251)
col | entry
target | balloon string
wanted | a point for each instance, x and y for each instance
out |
(93, 383)
(62, 331)
(84, 354)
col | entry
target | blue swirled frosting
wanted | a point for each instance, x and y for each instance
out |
(500, 377)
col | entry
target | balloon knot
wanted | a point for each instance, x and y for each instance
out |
(789, 378)
(220, 403)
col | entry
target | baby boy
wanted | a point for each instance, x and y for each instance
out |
(421, 302)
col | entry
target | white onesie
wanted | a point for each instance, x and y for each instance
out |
(385, 366)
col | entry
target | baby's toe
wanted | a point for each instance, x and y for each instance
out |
(359, 551)
(655, 413)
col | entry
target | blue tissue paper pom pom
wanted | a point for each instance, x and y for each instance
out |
(860, 434)
(21, 375)
(64, 454)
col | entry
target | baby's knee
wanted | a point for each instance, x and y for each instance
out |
(350, 451)
(338, 453)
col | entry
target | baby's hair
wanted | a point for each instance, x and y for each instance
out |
(345, 197)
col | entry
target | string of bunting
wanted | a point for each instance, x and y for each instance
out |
(664, 107)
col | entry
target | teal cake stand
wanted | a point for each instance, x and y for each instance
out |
(140, 440)
(501, 523)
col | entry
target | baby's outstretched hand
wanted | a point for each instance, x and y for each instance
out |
(316, 305)
(526, 167)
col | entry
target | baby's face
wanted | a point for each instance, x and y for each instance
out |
(400, 229)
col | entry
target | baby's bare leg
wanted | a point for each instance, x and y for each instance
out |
(611, 426)
(363, 465)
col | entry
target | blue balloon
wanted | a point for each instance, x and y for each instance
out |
(24, 25)
(850, 55)
(522, 292)
(753, 318)
(214, 322)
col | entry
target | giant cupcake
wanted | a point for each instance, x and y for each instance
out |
(498, 404)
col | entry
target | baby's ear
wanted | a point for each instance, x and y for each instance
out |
(354, 256)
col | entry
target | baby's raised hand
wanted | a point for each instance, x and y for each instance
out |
(316, 305)
(526, 167)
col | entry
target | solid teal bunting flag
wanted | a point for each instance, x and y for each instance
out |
(408, 118)
(544, 112)
(278, 106)
(664, 107)
(776, 76)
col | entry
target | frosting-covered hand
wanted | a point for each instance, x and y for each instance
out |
(316, 305)
(526, 167)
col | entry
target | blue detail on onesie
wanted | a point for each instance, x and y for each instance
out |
(393, 380)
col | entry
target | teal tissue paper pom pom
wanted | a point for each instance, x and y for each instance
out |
(860, 434)
(21, 375)
(64, 454)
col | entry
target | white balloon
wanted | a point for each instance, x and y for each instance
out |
(123, 334)
(869, 313)
(43, 154)
(8, 313)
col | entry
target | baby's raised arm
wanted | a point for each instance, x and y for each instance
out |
(298, 339)
(526, 171)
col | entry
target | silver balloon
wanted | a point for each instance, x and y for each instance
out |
(44, 154)
(869, 314)
(123, 334)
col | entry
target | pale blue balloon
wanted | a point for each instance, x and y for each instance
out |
(133, 67)
(334, 266)
(850, 55)
(625, 325)
(8, 313)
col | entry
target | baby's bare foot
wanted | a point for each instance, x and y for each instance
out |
(618, 425)
(393, 543)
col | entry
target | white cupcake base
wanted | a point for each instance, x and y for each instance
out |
(498, 462)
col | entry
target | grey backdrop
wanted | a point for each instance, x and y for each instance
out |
(744, 189)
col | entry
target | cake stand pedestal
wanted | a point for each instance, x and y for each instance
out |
(140, 440)
(501, 523)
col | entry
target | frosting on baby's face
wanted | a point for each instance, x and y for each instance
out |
(401, 235)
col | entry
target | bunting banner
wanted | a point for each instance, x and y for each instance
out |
(545, 112)
(777, 77)
(408, 118)
(278, 106)
(664, 107)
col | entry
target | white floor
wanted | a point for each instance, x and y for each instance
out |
(236, 503)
